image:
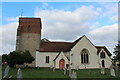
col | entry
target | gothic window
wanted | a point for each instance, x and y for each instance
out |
(28, 29)
(102, 55)
(84, 56)
(47, 59)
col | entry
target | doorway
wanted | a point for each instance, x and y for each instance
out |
(61, 64)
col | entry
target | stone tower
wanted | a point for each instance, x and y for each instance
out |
(29, 35)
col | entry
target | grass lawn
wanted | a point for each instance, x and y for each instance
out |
(38, 73)
(93, 73)
(47, 73)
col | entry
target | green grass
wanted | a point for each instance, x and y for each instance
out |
(93, 73)
(47, 73)
(38, 73)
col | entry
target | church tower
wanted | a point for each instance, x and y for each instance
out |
(29, 35)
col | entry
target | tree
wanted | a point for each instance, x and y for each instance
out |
(19, 58)
(27, 57)
(4, 58)
(15, 58)
(117, 52)
(117, 57)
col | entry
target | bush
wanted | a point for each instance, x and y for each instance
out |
(18, 58)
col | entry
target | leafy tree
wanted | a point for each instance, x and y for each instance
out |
(4, 57)
(27, 57)
(17, 57)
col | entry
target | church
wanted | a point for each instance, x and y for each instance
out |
(79, 54)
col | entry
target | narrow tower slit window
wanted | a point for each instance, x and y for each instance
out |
(28, 29)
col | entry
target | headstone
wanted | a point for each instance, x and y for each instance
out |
(38, 67)
(112, 71)
(54, 69)
(102, 70)
(6, 72)
(74, 76)
(76, 67)
(65, 71)
(19, 74)
(51, 66)
(70, 71)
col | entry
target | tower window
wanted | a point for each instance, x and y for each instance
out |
(28, 29)
(102, 55)
(47, 59)
(84, 56)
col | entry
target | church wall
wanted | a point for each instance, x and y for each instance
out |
(84, 43)
(41, 58)
(107, 60)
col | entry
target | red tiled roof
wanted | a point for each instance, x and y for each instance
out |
(55, 46)
(64, 46)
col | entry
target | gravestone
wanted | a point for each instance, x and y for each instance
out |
(70, 71)
(102, 70)
(73, 76)
(112, 71)
(19, 74)
(76, 67)
(53, 69)
(6, 72)
(65, 71)
(51, 66)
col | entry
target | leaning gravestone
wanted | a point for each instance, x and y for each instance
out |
(6, 72)
(19, 74)
(102, 70)
(112, 71)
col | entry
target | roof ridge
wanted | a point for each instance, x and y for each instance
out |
(57, 42)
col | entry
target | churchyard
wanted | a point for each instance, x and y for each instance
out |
(51, 73)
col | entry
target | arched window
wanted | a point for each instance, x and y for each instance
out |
(102, 55)
(84, 56)
(28, 29)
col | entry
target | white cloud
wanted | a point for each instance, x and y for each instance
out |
(8, 37)
(105, 35)
(12, 19)
(110, 11)
(67, 25)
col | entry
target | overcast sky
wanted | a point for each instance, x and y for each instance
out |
(63, 21)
